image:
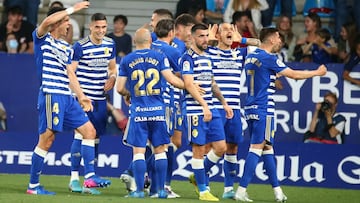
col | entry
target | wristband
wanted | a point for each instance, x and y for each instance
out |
(243, 40)
(70, 10)
(330, 126)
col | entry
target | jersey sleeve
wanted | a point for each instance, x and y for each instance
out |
(78, 53)
(186, 65)
(113, 53)
(164, 62)
(123, 68)
(275, 64)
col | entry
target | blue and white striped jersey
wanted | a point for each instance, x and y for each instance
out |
(200, 67)
(52, 56)
(261, 68)
(228, 65)
(92, 71)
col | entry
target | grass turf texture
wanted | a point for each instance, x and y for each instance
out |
(13, 188)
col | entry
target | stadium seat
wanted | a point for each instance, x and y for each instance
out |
(324, 8)
(277, 9)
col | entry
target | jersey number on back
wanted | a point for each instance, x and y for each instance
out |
(141, 76)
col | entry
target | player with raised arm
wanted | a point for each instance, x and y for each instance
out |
(94, 57)
(145, 72)
(262, 68)
(58, 109)
(227, 69)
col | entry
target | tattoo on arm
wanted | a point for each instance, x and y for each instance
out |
(216, 92)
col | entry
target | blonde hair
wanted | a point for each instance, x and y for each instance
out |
(253, 4)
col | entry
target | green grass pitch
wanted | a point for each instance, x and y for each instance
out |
(13, 187)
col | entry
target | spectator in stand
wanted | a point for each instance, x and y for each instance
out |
(346, 42)
(73, 33)
(199, 14)
(312, 24)
(30, 8)
(327, 126)
(353, 61)
(117, 119)
(321, 52)
(13, 46)
(20, 28)
(346, 11)
(215, 10)
(183, 6)
(284, 25)
(243, 24)
(267, 15)
(122, 39)
(254, 6)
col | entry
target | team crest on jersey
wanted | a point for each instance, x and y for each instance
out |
(186, 66)
(106, 51)
(194, 133)
(233, 53)
(179, 121)
(55, 120)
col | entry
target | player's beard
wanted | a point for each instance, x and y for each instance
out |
(202, 47)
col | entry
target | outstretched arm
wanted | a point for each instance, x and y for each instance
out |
(303, 74)
(56, 17)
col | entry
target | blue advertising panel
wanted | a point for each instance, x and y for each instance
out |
(298, 163)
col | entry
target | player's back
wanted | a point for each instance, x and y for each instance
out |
(260, 81)
(146, 84)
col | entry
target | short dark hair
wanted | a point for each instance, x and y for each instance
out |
(15, 10)
(164, 12)
(163, 27)
(56, 2)
(324, 33)
(98, 16)
(185, 19)
(265, 33)
(54, 10)
(198, 26)
(239, 14)
(121, 17)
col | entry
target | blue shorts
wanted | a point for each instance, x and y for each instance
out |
(232, 127)
(201, 133)
(138, 133)
(98, 116)
(261, 129)
(57, 111)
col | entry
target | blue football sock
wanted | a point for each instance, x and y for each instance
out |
(160, 168)
(170, 159)
(88, 154)
(270, 167)
(199, 172)
(251, 161)
(230, 169)
(37, 163)
(139, 168)
(75, 151)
